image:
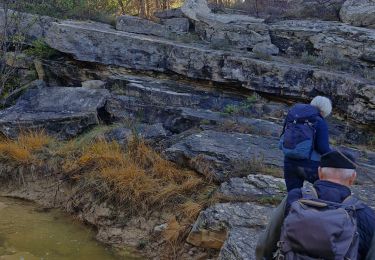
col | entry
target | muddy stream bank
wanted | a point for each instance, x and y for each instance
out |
(28, 231)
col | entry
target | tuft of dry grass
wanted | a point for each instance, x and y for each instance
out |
(191, 209)
(136, 177)
(13, 151)
(22, 149)
(34, 140)
(173, 230)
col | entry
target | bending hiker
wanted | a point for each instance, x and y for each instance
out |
(304, 140)
(323, 221)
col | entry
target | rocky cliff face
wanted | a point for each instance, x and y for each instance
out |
(190, 87)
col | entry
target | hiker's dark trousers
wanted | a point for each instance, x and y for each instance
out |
(297, 171)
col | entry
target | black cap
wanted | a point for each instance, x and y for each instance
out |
(335, 159)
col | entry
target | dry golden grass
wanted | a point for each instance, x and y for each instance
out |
(34, 140)
(136, 177)
(13, 151)
(21, 150)
(173, 231)
(191, 209)
(102, 153)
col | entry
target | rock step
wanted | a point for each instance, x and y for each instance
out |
(220, 156)
(261, 188)
(62, 111)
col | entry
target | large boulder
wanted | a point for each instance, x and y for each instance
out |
(226, 30)
(63, 112)
(219, 155)
(358, 13)
(193, 8)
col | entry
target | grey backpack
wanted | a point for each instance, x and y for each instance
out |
(317, 229)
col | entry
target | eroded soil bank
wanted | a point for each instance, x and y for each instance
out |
(138, 203)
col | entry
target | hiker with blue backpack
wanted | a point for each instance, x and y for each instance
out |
(304, 140)
(323, 221)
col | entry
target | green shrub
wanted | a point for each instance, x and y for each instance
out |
(41, 50)
(231, 109)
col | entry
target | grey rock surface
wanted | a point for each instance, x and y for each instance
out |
(216, 154)
(191, 8)
(97, 42)
(176, 25)
(252, 188)
(149, 133)
(93, 84)
(358, 13)
(226, 30)
(32, 26)
(240, 244)
(63, 112)
(266, 49)
(236, 226)
(314, 35)
(133, 24)
(230, 215)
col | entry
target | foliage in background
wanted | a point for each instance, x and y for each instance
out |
(97, 10)
(11, 44)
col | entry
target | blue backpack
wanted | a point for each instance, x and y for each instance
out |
(298, 137)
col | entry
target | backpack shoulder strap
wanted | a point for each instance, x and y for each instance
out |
(352, 202)
(309, 192)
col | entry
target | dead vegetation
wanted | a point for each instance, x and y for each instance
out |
(133, 177)
(23, 149)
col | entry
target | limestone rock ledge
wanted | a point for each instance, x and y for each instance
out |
(100, 43)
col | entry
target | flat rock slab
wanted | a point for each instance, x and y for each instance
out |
(61, 111)
(252, 188)
(216, 154)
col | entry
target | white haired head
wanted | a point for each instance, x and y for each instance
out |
(342, 176)
(323, 104)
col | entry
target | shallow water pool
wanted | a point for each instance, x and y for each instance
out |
(29, 233)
